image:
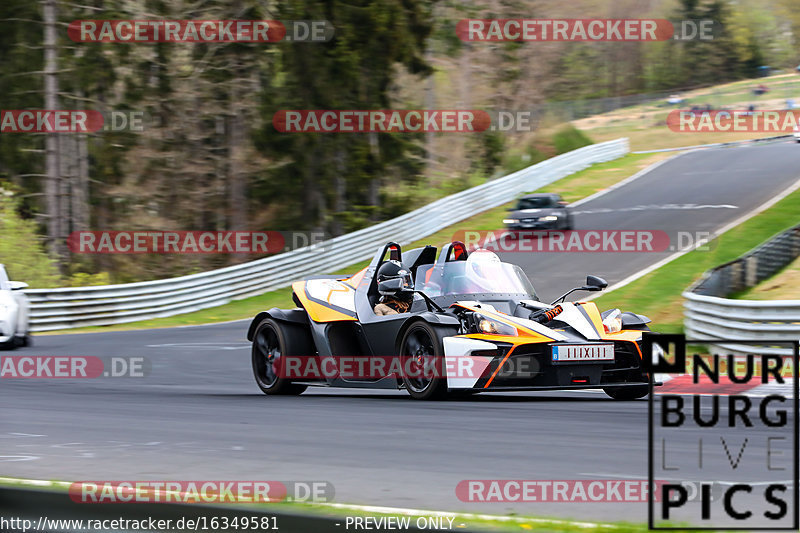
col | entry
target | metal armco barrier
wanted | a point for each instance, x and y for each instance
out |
(709, 315)
(72, 307)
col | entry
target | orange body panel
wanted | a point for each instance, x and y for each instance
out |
(356, 278)
(317, 311)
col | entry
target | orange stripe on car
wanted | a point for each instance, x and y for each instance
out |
(356, 278)
(496, 370)
(343, 289)
(594, 315)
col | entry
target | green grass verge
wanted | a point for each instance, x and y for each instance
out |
(572, 188)
(785, 285)
(658, 294)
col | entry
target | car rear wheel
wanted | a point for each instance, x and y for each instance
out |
(272, 343)
(633, 392)
(422, 354)
(23, 341)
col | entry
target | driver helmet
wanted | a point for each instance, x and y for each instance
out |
(484, 264)
(394, 270)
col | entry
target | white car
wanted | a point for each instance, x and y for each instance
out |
(796, 132)
(14, 309)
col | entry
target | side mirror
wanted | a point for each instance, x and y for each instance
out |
(17, 285)
(594, 283)
(390, 286)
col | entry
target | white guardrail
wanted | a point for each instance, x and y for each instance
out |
(708, 315)
(714, 318)
(72, 307)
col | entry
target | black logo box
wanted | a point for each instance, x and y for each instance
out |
(678, 366)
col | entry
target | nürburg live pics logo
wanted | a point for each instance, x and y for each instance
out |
(726, 418)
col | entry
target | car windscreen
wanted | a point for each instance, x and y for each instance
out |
(473, 277)
(536, 203)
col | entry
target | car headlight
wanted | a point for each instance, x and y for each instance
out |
(613, 321)
(510, 220)
(549, 218)
(477, 323)
(494, 327)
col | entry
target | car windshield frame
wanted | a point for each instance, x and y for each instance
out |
(467, 277)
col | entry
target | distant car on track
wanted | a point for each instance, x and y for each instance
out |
(465, 307)
(539, 211)
(14, 307)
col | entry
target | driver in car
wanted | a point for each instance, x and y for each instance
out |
(392, 303)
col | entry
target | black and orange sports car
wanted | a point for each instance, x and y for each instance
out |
(475, 324)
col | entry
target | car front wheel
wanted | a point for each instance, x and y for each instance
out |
(422, 353)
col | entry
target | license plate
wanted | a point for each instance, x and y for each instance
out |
(583, 352)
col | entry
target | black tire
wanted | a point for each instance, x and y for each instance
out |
(423, 343)
(22, 342)
(271, 341)
(631, 392)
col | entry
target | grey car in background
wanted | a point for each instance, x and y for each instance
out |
(545, 211)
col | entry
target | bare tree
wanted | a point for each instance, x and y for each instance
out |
(52, 152)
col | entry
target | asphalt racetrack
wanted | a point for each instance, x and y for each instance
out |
(692, 194)
(199, 415)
